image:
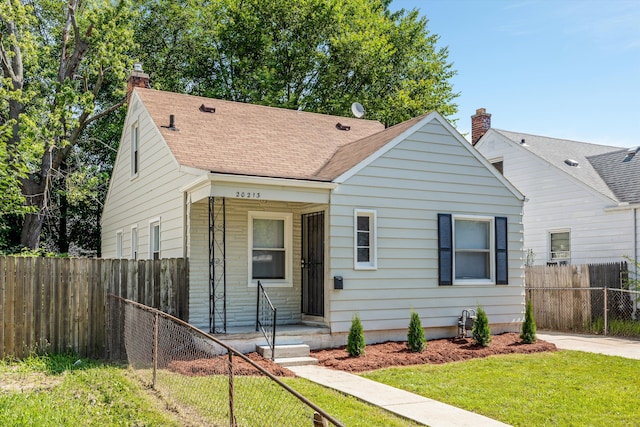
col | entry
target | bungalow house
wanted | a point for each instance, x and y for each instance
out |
(582, 199)
(333, 216)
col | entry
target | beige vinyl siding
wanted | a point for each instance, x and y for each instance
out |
(241, 298)
(152, 194)
(428, 173)
(557, 201)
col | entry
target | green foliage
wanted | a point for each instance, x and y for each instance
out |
(355, 340)
(63, 68)
(528, 334)
(313, 55)
(416, 341)
(481, 331)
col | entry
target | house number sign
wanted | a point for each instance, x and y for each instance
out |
(247, 194)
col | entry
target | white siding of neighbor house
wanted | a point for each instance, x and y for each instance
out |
(241, 297)
(428, 173)
(557, 201)
(152, 194)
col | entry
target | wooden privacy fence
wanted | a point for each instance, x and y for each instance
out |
(570, 297)
(59, 304)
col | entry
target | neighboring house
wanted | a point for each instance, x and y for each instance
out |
(582, 200)
(410, 217)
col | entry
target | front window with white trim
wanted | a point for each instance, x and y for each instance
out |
(473, 249)
(365, 257)
(270, 248)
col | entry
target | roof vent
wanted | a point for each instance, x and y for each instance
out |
(207, 108)
(631, 152)
(522, 141)
(172, 123)
(340, 126)
(571, 162)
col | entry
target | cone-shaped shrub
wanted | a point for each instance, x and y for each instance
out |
(415, 337)
(355, 340)
(481, 331)
(528, 334)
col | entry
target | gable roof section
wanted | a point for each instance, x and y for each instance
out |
(253, 140)
(378, 144)
(353, 153)
(620, 173)
(555, 151)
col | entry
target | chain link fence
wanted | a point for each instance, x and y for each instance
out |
(607, 311)
(206, 381)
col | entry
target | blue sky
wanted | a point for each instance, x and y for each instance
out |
(561, 68)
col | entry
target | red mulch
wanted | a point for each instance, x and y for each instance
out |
(220, 366)
(376, 356)
(437, 351)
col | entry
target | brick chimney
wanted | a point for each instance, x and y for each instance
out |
(480, 124)
(137, 78)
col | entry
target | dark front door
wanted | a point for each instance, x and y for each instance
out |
(313, 264)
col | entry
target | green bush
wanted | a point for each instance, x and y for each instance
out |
(481, 331)
(528, 334)
(355, 340)
(416, 341)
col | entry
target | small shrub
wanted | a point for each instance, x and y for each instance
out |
(481, 331)
(528, 334)
(415, 337)
(355, 340)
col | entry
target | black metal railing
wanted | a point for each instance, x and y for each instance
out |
(266, 319)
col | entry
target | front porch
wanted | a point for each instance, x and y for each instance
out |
(242, 233)
(245, 338)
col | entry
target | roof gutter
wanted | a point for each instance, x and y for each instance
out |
(622, 207)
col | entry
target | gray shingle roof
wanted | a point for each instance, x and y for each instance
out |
(555, 151)
(620, 172)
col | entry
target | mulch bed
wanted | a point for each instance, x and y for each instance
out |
(376, 356)
(437, 351)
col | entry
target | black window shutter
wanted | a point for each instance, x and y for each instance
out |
(445, 250)
(502, 266)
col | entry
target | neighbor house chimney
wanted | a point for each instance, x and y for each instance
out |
(137, 78)
(480, 124)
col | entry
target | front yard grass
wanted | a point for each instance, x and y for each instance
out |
(62, 390)
(565, 388)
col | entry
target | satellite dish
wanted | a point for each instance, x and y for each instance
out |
(357, 109)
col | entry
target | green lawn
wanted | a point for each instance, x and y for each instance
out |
(56, 391)
(565, 388)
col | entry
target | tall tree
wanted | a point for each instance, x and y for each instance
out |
(63, 68)
(314, 55)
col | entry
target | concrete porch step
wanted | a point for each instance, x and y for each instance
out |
(284, 351)
(296, 361)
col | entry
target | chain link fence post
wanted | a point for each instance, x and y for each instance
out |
(606, 311)
(155, 349)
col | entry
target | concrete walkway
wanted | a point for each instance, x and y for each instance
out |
(437, 414)
(409, 405)
(611, 346)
